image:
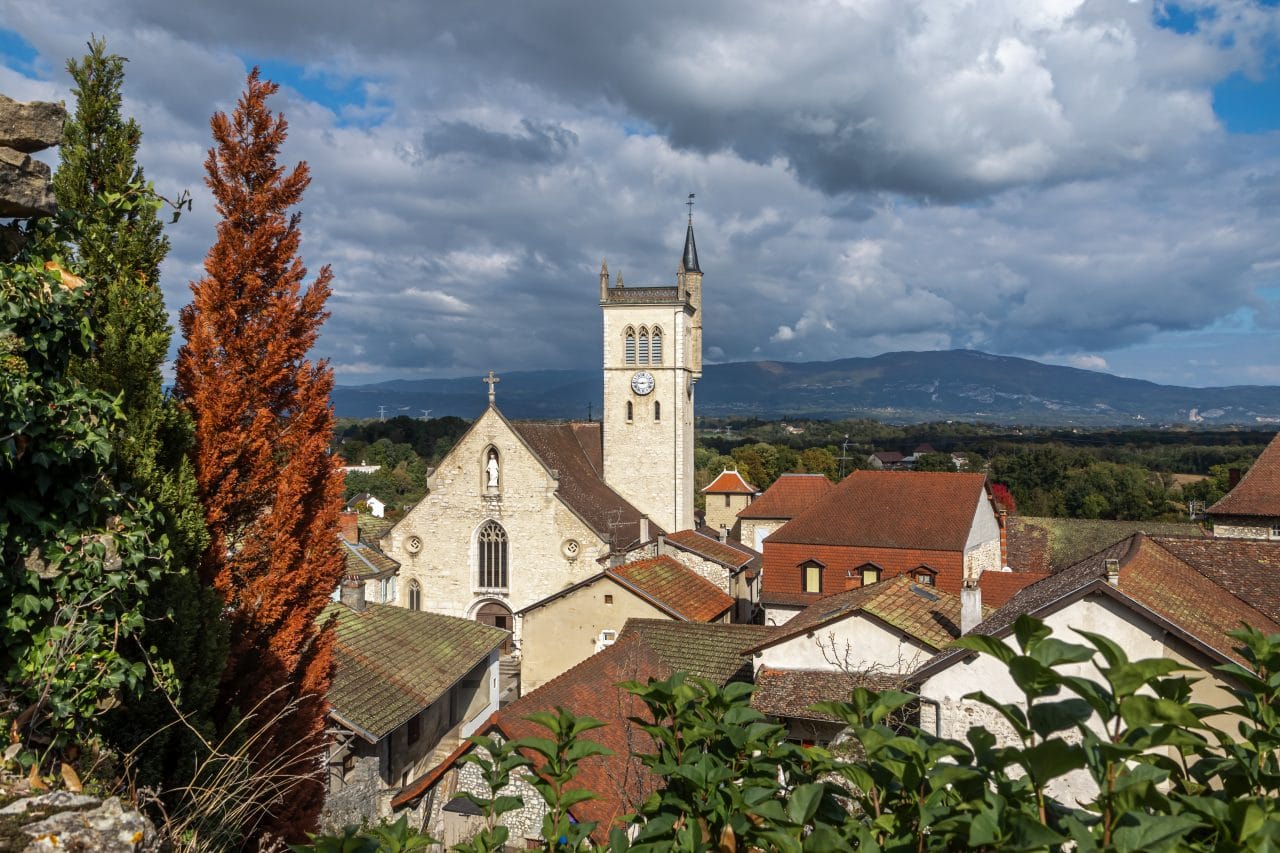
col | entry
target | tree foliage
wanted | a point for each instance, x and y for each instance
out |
(119, 248)
(263, 423)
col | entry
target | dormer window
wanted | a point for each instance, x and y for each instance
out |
(926, 576)
(811, 576)
(870, 573)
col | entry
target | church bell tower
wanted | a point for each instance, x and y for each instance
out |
(652, 360)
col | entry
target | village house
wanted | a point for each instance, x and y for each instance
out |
(730, 565)
(564, 629)
(1251, 510)
(726, 496)
(790, 495)
(366, 563)
(938, 528)
(407, 688)
(367, 503)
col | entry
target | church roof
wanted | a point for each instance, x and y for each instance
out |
(392, 662)
(644, 295)
(1258, 492)
(575, 452)
(730, 483)
(690, 257)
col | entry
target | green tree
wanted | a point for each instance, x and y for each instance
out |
(818, 460)
(120, 248)
(934, 462)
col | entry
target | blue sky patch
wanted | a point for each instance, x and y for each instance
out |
(17, 53)
(346, 96)
(1171, 16)
(1249, 106)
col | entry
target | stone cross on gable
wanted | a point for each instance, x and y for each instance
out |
(491, 380)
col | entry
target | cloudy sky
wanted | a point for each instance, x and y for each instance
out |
(1090, 183)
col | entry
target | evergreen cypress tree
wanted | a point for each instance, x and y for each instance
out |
(263, 424)
(120, 248)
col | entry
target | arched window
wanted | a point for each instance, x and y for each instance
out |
(644, 345)
(630, 411)
(493, 556)
(415, 595)
(655, 347)
(657, 410)
(631, 346)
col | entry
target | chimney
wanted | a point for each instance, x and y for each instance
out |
(349, 526)
(970, 605)
(662, 546)
(644, 529)
(724, 533)
(1233, 478)
(1002, 518)
(353, 593)
(1113, 571)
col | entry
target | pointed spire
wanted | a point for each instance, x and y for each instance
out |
(689, 262)
(619, 278)
(604, 280)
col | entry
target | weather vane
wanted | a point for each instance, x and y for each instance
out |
(689, 203)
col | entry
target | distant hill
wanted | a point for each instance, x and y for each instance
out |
(898, 386)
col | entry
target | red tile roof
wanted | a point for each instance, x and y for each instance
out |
(730, 483)
(710, 548)
(574, 452)
(791, 692)
(889, 456)
(1247, 568)
(1047, 545)
(928, 614)
(891, 509)
(1258, 492)
(676, 588)
(790, 495)
(998, 587)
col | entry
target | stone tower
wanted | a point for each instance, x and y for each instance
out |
(652, 358)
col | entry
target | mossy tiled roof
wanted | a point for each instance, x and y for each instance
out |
(678, 589)
(392, 662)
(1047, 545)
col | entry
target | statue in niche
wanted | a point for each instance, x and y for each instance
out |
(491, 469)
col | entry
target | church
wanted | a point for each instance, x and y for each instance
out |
(517, 511)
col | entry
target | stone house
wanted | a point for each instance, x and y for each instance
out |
(564, 629)
(373, 568)
(871, 636)
(646, 649)
(726, 496)
(1251, 510)
(1154, 596)
(730, 565)
(790, 495)
(407, 688)
(940, 528)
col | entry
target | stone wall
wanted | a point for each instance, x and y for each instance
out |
(1226, 527)
(524, 822)
(983, 558)
(26, 128)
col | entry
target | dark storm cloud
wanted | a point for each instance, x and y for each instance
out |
(538, 142)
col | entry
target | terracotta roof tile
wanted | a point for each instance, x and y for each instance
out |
(1247, 568)
(708, 547)
(678, 589)
(891, 509)
(572, 450)
(730, 483)
(1046, 545)
(998, 587)
(646, 649)
(790, 495)
(889, 456)
(926, 613)
(392, 662)
(792, 692)
(1152, 576)
(1258, 492)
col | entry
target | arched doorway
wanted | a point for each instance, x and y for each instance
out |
(499, 616)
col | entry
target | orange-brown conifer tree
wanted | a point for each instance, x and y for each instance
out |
(263, 422)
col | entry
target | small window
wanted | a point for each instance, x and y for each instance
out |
(811, 576)
(727, 499)
(630, 411)
(608, 638)
(644, 347)
(631, 346)
(415, 729)
(870, 575)
(415, 595)
(1275, 531)
(655, 347)
(657, 410)
(926, 576)
(608, 599)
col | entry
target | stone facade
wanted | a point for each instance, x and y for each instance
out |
(523, 823)
(1246, 527)
(722, 510)
(753, 531)
(445, 556)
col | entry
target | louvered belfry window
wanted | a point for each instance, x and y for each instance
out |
(493, 556)
(644, 347)
(631, 346)
(655, 347)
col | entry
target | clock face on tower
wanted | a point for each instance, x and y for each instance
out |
(642, 382)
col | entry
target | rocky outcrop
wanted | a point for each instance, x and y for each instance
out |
(24, 182)
(63, 821)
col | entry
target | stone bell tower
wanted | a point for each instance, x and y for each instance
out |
(652, 359)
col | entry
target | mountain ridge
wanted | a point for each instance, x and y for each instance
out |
(909, 386)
